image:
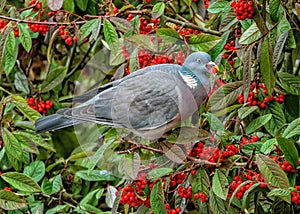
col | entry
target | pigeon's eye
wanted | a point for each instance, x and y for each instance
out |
(199, 60)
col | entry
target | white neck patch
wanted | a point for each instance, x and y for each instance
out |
(189, 80)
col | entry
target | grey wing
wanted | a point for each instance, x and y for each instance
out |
(168, 68)
(144, 102)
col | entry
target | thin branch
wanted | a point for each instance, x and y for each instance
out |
(188, 24)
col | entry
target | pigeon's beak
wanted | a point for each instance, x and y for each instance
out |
(212, 67)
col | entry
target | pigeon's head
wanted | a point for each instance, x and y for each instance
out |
(200, 62)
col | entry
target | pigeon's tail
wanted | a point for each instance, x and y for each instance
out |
(53, 122)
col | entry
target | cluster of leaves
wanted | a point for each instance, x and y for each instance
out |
(52, 173)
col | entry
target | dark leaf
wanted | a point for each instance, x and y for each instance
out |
(289, 150)
(173, 152)
(21, 82)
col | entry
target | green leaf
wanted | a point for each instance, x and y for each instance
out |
(158, 173)
(289, 150)
(279, 48)
(82, 4)
(36, 170)
(283, 26)
(25, 37)
(10, 59)
(3, 43)
(225, 96)
(53, 185)
(214, 122)
(92, 196)
(271, 172)
(116, 55)
(277, 121)
(268, 146)
(10, 201)
(143, 41)
(158, 9)
(110, 33)
(246, 111)
(246, 196)
(168, 35)
(257, 123)
(131, 165)
(228, 22)
(95, 175)
(21, 182)
(274, 7)
(58, 209)
(21, 82)
(157, 199)
(99, 154)
(54, 78)
(250, 35)
(290, 83)
(188, 2)
(220, 184)
(2, 5)
(12, 147)
(11, 43)
(69, 5)
(266, 67)
(203, 42)
(87, 28)
(293, 129)
(283, 193)
(96, 27)
(217, 6)
(216, 204)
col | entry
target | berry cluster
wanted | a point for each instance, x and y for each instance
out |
(37, 4)
(258, 96)
(284, 165)
(40, 28)
(130, 192)
(185, 192)
(172, 211)
(296, 195)
(41, 107)
(186, 31)
(243, 9)
(65, 35)
(237, 180)
(212, 154)
(7, 189)
(177, 179)
(146, 58)
(202, 196)
(2, 24)
(230, 53)
(246, 140)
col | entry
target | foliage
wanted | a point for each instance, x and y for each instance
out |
(245, 154)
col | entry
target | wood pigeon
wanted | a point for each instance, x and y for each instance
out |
(148, 102)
